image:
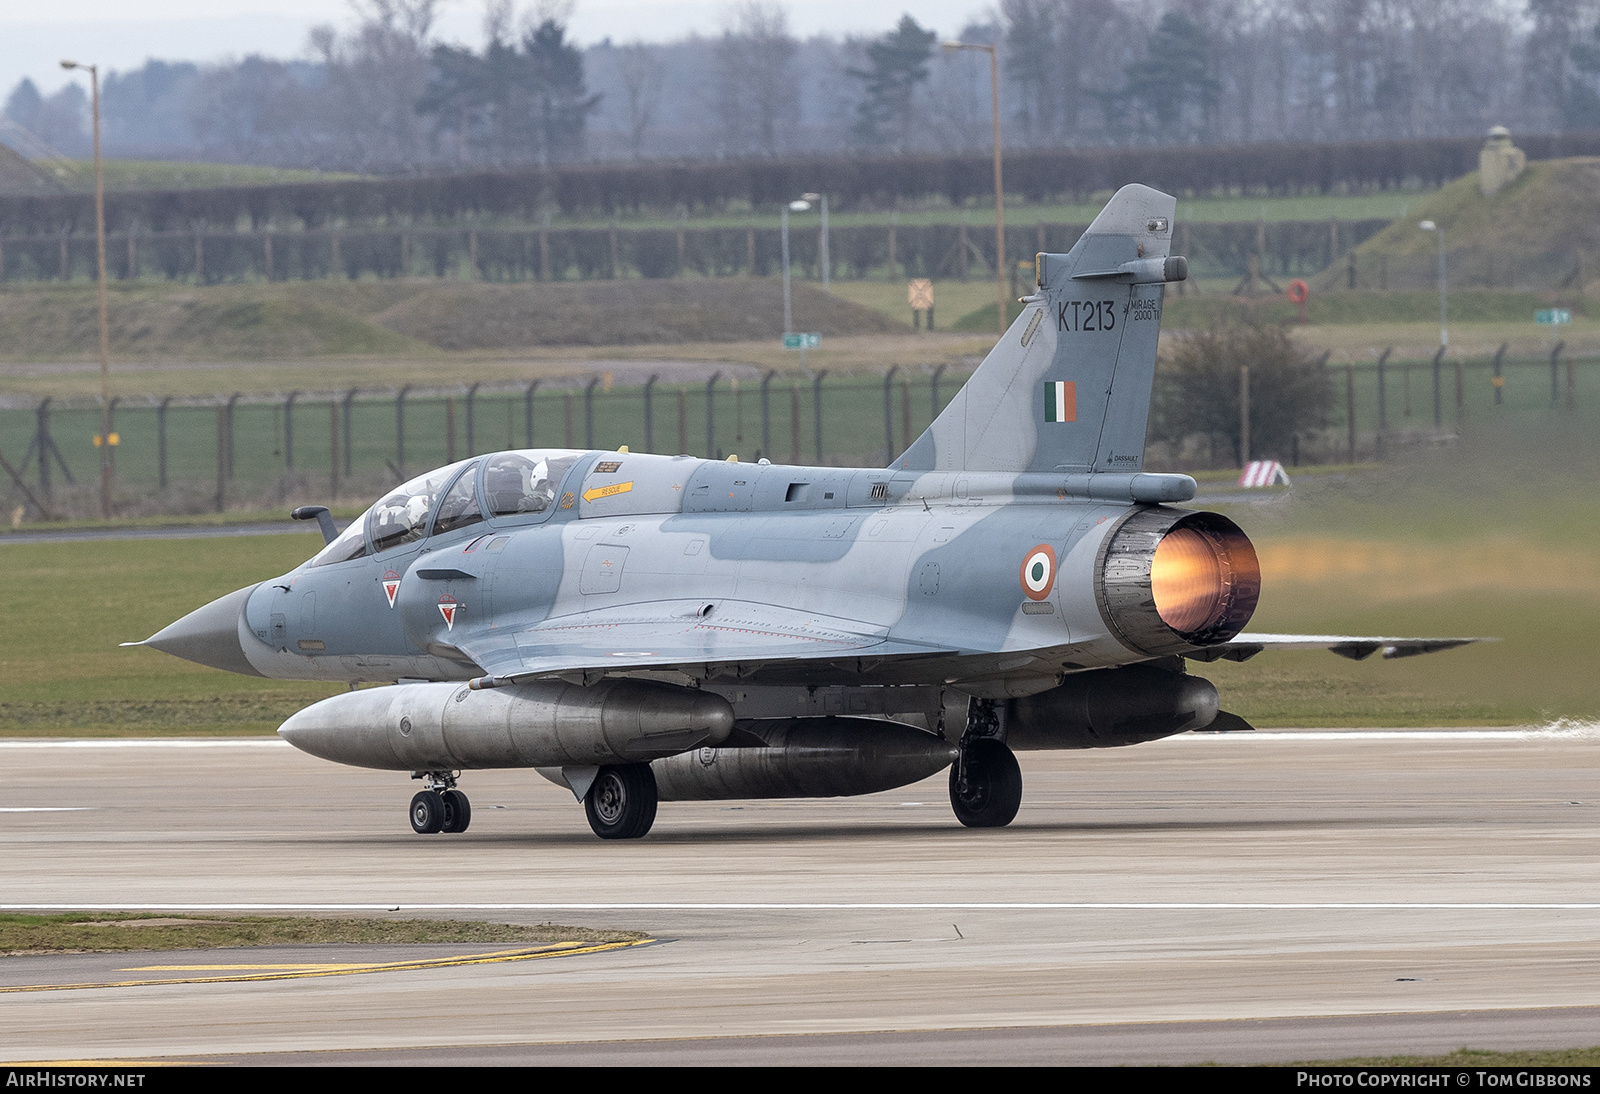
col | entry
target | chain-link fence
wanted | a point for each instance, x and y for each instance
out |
(187, 454)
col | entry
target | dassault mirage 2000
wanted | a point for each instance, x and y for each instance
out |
(642, 628)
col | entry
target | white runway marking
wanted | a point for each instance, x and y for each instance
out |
(898, 906)
(45, 809)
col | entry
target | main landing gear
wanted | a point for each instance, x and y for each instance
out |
(621, 804)
(985, 781)
(441, 807)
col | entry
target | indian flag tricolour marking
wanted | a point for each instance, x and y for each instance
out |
(1060, 401)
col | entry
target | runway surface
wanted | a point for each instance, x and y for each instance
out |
(1238, 898)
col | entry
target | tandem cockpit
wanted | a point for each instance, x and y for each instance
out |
(504, 486)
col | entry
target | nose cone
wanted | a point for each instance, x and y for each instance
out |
(209, 635)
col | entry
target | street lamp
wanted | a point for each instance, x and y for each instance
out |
(106, 436)
(999, 190)
(826, 265)
(788, 309)
(1444, 329)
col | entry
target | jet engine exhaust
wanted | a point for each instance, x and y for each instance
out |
(805, 758)
(1173, 582)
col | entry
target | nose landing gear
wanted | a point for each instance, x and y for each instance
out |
(441, 807)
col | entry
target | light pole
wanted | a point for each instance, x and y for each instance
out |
(1444, 329)
(788, 309)
(999, 189)
(822, 200)
(106, 470)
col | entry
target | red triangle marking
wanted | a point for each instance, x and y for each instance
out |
(449, 613)
(389, 589)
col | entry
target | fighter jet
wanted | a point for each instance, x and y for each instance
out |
(642, 628)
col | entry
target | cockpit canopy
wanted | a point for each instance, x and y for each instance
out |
(453, 497)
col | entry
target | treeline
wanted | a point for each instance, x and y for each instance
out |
(390, 95)
(879, 183)
(574, 254)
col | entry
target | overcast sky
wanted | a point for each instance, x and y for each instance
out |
(120, 35)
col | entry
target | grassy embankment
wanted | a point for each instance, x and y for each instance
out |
(103, 932)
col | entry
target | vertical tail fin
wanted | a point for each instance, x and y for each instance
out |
(1068, 387)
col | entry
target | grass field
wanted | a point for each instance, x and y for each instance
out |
(409, 317)
(115, 932)
(1495, 536)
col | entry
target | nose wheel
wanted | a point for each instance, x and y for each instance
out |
(622, 802)
(440, 810)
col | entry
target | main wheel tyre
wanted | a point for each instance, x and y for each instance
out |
(622, 802)
(992, 791)
(457, 811)
(427, 812)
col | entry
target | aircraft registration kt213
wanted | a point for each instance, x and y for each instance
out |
(643, 628)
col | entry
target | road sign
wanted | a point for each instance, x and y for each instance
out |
(1552, 315)
(802, 341)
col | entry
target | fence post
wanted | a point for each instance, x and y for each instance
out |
(888, 414)
(527, 413)
(1350, 406)
(161, 443)
(1438, 399)
(1383, 391)
(905, 411)
(288, 430)
(1499, 380)
(766, 413)
(1572, 384)
(222, 456)
(649, 416)
(933, 399)
(333, 448)
(566, 414)
(42, 445)
(349, 398)
(1461, 395)
(683, 421)
(1555, 364)
(816, 408)
(794, 422)
(449, 429)
(588, 411)
(400, 432)
(232, 401)
(1244, 415)
(472, 436)
(711, 416)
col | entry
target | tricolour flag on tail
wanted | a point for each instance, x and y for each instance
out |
(1060, 401)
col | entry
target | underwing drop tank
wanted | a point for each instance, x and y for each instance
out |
(805, 758)
(451, 727)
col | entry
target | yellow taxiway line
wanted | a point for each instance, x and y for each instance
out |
(249, 973)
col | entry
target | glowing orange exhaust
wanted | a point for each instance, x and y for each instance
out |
(1198, 571)
(1195, 574)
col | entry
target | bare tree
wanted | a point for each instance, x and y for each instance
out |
(642, 74)
(757, 96)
